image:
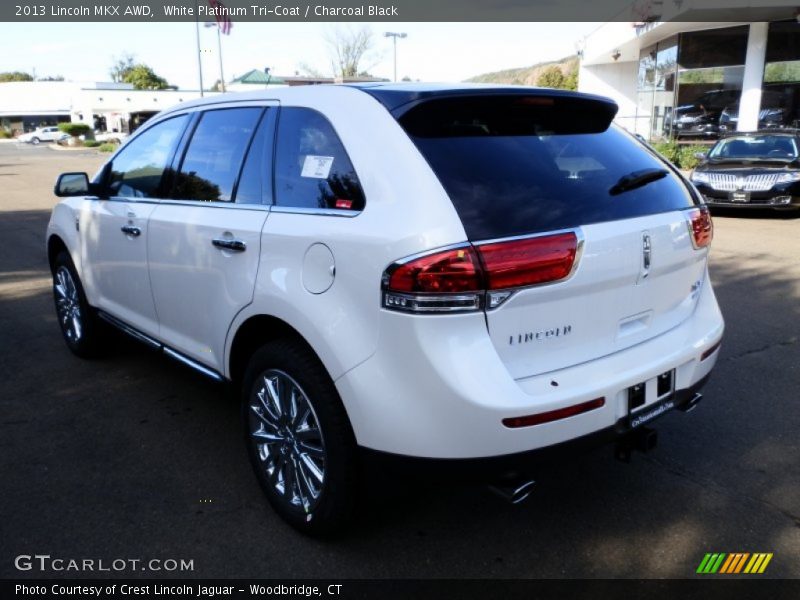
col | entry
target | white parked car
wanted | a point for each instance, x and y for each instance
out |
(398, 271)
(43, 134)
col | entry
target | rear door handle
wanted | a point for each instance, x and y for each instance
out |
(131, 230)
(228, 244)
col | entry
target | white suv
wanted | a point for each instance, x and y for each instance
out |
(423, 271)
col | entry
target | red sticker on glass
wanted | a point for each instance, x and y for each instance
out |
(341, 203)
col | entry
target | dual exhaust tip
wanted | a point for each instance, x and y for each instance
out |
(517, 490)
(514, 491)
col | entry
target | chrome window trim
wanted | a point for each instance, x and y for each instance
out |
(325, 212)
(193, 203)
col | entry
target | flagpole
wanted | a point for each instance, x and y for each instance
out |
(219, 51)
(197, 38)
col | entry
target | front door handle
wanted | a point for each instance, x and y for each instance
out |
(229, 244)
(131, 230)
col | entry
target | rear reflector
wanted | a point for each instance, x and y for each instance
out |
(710, 351)
(553, 415)
(701, 227)
(530, 261)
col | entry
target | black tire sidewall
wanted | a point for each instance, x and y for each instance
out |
(336, 505)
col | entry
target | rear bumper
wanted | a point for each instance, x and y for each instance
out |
(522, 463)
(436, 388)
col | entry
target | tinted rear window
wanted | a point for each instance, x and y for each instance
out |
(517, 165)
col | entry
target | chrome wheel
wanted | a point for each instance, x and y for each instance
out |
(288, 441)
(68, 304)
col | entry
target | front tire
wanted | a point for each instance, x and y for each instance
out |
(79, 324)
(299, 438)
(35, 141)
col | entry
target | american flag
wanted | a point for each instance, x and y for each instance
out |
(223, 20)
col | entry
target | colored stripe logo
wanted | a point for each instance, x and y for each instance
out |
(734, 563)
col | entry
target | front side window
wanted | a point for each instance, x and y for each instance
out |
(138, 169)
(214, 157)
(312, 169)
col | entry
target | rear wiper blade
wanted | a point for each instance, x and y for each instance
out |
(637, 179)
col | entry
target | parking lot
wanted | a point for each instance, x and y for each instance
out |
(135, 457)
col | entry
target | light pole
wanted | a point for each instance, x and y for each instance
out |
(219, 52)
(394, 37)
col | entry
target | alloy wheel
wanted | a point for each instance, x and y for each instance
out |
(68, 305)
(288, 441)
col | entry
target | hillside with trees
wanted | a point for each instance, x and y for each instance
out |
(559, 74)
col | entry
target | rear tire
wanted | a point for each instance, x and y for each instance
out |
(79, 324)
(299, 438)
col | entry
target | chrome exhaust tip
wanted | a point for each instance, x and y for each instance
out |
(515, 491)
(691, 404)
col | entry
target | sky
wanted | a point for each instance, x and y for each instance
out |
(431, 52)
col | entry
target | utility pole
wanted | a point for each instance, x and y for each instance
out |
(394, 37)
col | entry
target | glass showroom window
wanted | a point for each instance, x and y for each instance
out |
(656, 88)
(710, 73)
(780, 99)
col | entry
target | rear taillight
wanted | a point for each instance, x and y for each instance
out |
(469, 278)
(530, 261)
(701, 227)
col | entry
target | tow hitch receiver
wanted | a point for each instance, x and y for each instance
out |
(643, 439)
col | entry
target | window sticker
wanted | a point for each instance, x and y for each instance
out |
(317, 167)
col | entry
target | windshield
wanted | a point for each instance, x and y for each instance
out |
(762, 147)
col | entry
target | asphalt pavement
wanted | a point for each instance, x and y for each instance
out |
(135, 457)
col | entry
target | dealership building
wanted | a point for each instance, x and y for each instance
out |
(697, 69)
(107, 106)
(26, 105)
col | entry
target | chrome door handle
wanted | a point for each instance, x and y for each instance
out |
(131, 230)
(228, 244)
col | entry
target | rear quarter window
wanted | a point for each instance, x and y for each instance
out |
(312, 169)
(516, 165)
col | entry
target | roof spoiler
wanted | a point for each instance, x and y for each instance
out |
(511, 111)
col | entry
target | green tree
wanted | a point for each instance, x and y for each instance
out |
(571, 80)
(144, 78)
(15, 76)
(551, 77)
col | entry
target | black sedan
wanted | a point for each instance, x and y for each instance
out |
(752, 170)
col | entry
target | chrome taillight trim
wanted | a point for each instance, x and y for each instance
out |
(433, 303)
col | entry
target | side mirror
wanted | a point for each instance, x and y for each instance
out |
(700, 155)
(72, 184)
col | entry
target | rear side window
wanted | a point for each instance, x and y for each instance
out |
(214, 157)
(138, 169)
(312, 169)
(514, 164)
